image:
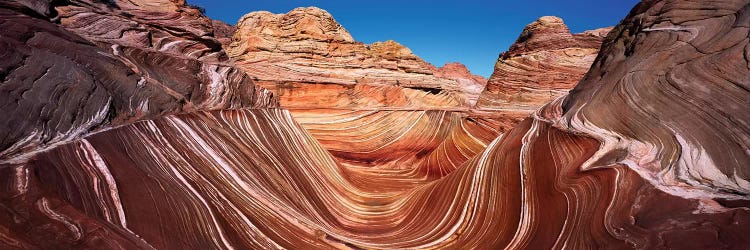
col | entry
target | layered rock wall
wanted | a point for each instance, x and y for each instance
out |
(311, 61)
(544, 63)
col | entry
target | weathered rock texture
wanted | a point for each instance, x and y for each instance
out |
(411, 144)
(376, 105)
(103, 67)
(676, 76)
(223, 32)
(311, 61)
(648, 151)
(544, 63)
(472, 85)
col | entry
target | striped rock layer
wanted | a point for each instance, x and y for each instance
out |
(310, 61)
(546, 58)
(679, 84)
(107, 65)
(372, 106)
(611, 165)
(544, 63)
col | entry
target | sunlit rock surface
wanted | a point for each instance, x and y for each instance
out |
(311, 61)
(414, 144)
(544, 63)
(373, 106)
(471, 85)
(648, 151)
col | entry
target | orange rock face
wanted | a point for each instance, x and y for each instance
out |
(311, 61)
(371, 105)
(472, 85)
(544, 63)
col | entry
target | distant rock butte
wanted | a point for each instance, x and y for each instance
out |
(311, 61)
(471, 84)
(544, 63)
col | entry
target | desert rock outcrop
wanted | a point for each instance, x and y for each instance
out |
(544, 63)
(311, 61)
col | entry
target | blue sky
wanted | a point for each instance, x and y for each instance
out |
(473, 32)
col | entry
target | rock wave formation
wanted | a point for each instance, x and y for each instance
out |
(102, 67)
(371, 105)
(543, 64)
(686, 80)
(648, 150)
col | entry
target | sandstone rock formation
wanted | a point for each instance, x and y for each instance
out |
(648, 151)
(311, 61)
(677, 76)
(95, 71)
(370, 105)
(62, 82)
(408, 144)
(544, 63)
(472, 85)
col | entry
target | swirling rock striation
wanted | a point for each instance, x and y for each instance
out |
(223, 170)
(543, 64)
(99, 69)
(676, 76)
(170, 27)
(372, 105)
(413, 144)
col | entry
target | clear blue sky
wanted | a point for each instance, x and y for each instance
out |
(472, 32)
